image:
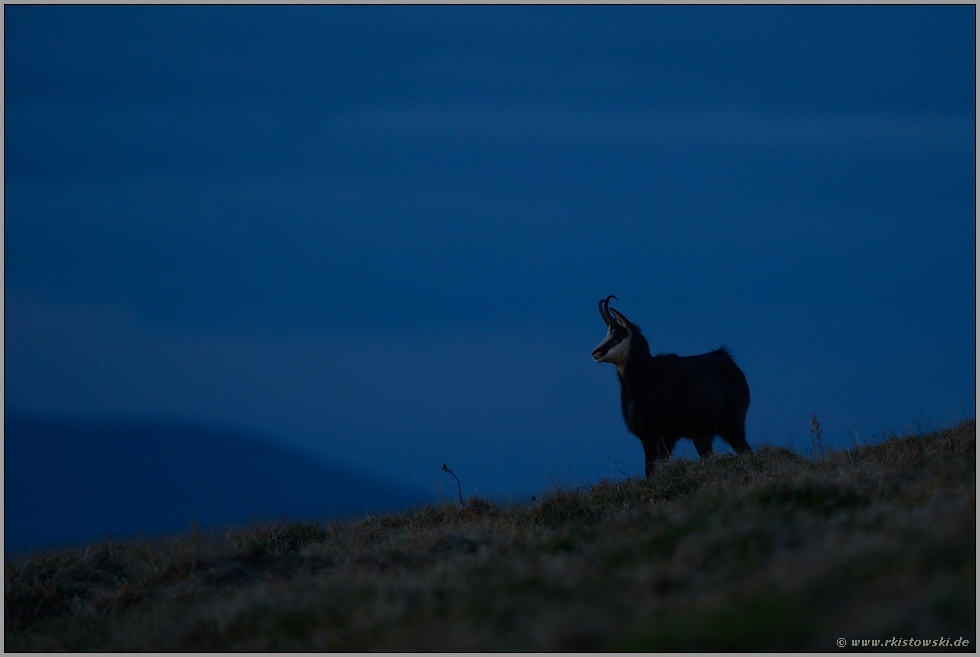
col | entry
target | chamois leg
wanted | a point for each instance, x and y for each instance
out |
(703, 445)
(734, 435)
(654, 450)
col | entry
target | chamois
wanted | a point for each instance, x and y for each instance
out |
(667, 397)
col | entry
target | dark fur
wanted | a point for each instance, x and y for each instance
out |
(675, 397)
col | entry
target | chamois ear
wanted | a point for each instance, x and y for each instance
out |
(622, 321)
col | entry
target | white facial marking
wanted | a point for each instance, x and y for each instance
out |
(618, 353)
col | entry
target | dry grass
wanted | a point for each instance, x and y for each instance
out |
(766, 551)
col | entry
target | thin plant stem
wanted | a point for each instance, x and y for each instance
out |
(458, 485)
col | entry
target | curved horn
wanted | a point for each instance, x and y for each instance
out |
(604, 309)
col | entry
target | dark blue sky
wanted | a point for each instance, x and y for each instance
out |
(380, 233)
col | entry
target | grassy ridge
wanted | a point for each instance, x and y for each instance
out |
(764, 551)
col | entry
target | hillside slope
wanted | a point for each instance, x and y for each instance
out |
(72, 481)
(765, 551)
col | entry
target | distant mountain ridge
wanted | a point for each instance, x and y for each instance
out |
(71, 481)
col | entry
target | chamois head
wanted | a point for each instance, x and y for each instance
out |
(615, 347)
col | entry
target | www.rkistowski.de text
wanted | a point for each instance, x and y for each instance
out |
(896, 642)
